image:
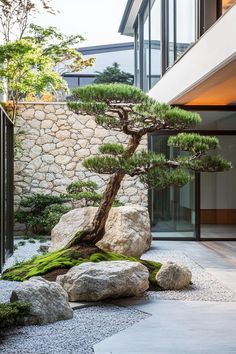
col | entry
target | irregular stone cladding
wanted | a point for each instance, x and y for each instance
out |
(55, 141)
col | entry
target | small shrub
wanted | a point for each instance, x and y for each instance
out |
(52, 215)
(37, 212)
(84, 192)
(41, 212)
(11, 313)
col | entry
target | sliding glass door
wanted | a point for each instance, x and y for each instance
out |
(218, 196)
(172, 209)
(204, 209)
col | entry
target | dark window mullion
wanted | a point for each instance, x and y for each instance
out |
(141, 46)
(164, 35)
(175, 29)
(149, 45)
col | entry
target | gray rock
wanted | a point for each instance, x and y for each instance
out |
(97, 281)
(127, 229)
(49, 301)
(173, 276)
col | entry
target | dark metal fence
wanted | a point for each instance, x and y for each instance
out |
(6, 186)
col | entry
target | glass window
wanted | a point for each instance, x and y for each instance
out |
(172, 209)
(185, 25)
(218, 196)
(72, 81)
(146, 49)
(83, 80)
(217, 120)
(155, 37)
(171, 52)
(137, 54)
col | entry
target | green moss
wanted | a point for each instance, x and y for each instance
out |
(11, 314)
(69, 258)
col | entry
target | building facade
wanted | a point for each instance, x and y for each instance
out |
(105, 55)
(185, 55)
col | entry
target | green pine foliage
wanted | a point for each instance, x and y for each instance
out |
(113, 74)
(84, 192)
(11, 314)
(129, 110)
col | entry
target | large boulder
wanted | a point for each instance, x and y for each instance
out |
(173, 276)
(97, 281)
(49, 301)
(127, 230)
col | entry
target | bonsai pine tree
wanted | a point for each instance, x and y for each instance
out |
(126, 109)
(129, 110)
(113, 74)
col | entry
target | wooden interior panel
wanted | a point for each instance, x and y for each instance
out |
(218, 216)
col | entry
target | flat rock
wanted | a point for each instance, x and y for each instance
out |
(173, 276)
(127, 230)
(49, 301)
(98, 281)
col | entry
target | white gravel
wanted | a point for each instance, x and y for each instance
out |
(77, 336)
(205, 286)
(24, 252)
(93, 324)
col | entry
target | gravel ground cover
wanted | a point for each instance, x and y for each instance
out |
(77, 336)
(205, 286)
(24, 249)
(93, 324)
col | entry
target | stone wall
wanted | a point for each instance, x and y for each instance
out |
(55, 142)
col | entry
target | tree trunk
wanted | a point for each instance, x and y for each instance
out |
(94, 234)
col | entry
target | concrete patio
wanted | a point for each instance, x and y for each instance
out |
(184, 327)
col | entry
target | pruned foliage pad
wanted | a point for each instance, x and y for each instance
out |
(68, 258)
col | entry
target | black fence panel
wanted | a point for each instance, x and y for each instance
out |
(6, 186)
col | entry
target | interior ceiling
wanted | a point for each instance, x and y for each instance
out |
(217, 89)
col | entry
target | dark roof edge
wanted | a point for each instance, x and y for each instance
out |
(125, 16)
(106, 48)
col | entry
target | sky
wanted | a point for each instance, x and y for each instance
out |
(97, 20)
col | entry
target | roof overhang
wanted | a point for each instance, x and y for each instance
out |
(206, 74)
(129, 17)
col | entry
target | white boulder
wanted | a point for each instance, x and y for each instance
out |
(97, 281)
(173, 276)
(49, 301)
(127, 230)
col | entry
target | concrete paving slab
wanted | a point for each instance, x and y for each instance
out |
(177, 327)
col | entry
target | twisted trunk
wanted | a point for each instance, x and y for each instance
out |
(94, 234)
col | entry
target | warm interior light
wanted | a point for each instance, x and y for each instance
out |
(217, 89)
(226, 4)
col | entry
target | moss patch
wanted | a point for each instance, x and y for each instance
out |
(68, 258)
(11, 314)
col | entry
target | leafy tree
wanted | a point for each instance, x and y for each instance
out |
(129, 110)
(113, 74)
(28, 65)
(15, 16)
